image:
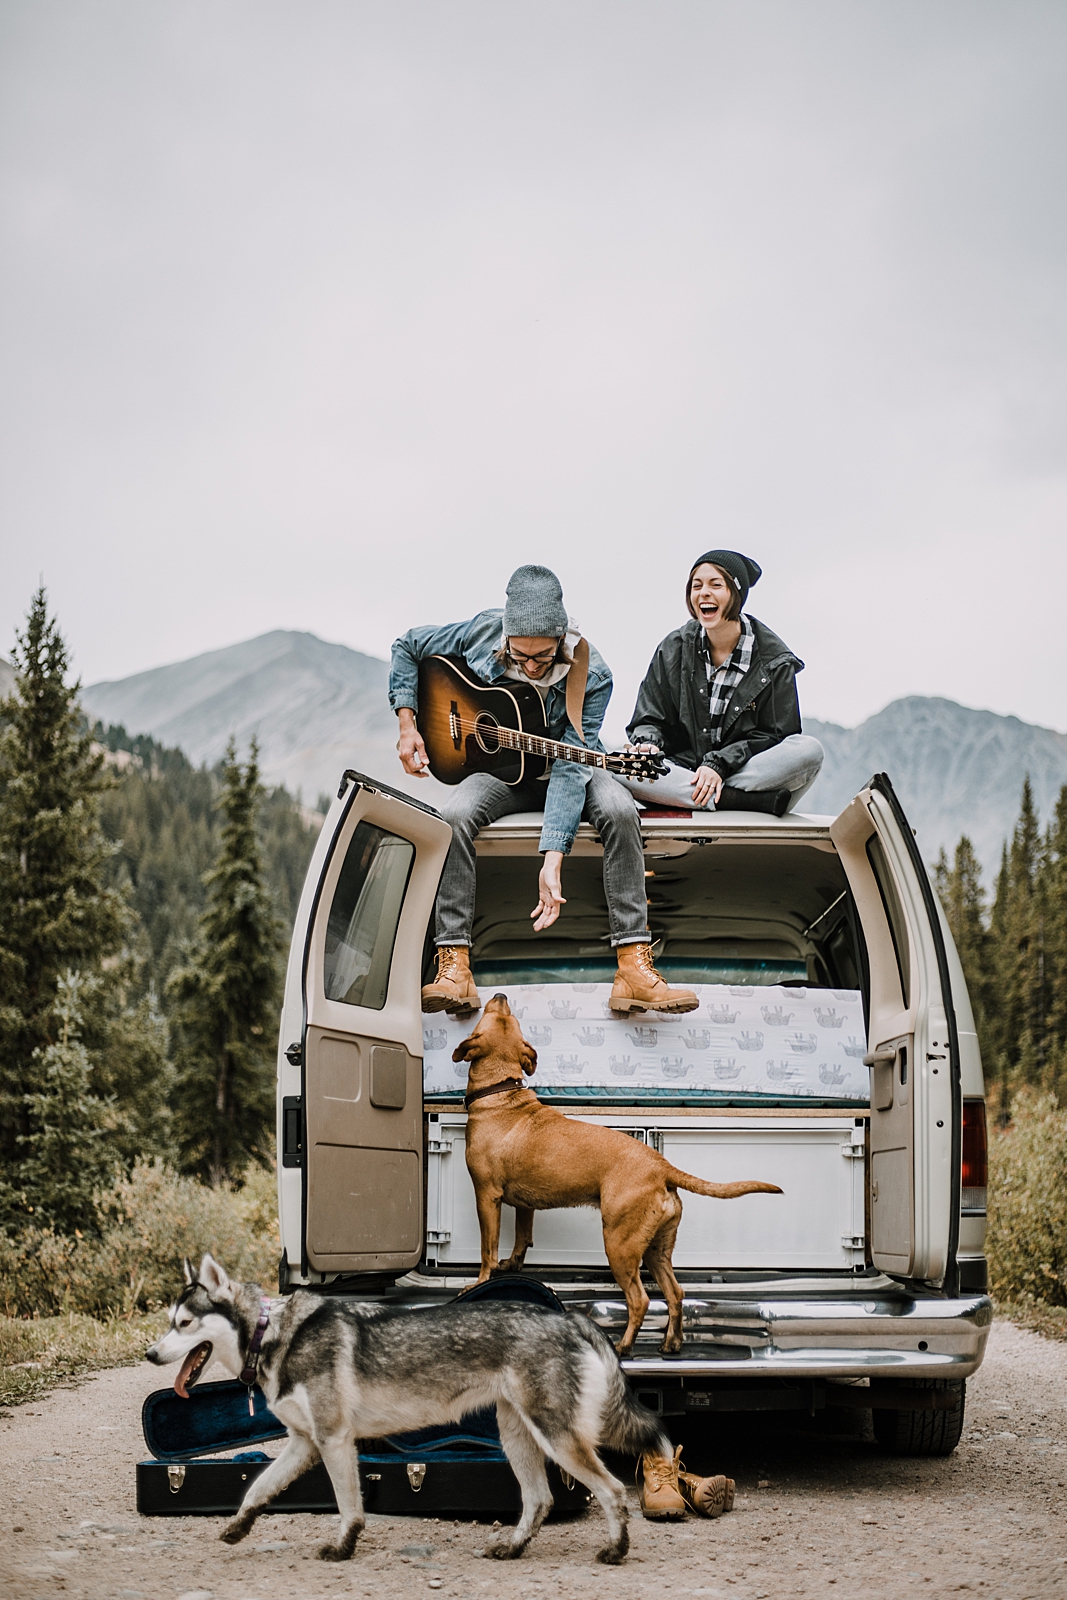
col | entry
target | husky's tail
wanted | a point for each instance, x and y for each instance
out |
(625, 1425)
(718, 1191)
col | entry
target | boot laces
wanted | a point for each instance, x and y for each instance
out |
(448, 963)
(646, 963)
(659, 1473)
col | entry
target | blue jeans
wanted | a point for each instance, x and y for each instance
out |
(794, 764)
(480, 799)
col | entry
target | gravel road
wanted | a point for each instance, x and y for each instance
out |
(814, 1510)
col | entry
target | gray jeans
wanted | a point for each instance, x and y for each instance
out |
(480, 799)
(794, 764)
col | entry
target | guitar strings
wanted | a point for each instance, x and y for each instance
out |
(533, 744)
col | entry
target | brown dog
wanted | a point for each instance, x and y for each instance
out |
(530, 1156)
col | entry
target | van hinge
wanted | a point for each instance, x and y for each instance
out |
(853, 1241)
(437, 1236)
(439, 1147)
(416, 1475)
(175, 1477)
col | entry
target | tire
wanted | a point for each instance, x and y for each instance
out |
(923, 1433)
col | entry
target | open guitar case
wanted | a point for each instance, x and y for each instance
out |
(458, 1471)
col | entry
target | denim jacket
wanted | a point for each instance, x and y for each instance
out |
(477, 641)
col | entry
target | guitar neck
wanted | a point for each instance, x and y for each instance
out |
(552, 749)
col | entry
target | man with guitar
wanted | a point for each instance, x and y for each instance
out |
(532, 643)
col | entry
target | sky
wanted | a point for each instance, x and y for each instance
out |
(327, 316)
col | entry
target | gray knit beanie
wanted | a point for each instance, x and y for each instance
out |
(535, 608)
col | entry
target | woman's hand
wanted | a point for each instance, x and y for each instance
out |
(413, 757)
(707, 786)
(550, 891)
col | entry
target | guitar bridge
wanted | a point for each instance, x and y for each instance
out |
(453, 726)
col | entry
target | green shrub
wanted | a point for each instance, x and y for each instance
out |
(147, 1222)
(1027, 1240)
(38, 1354)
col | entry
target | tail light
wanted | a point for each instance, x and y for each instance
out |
(973, 1177)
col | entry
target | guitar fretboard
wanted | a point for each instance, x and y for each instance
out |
(550, 748)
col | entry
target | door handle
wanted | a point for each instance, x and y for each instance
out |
(881, 1063)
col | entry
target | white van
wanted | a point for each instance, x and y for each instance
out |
(834, 1053)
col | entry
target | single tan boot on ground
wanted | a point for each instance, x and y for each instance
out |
(453, 989)
(658, 1487)
(708, 1497)
(639, 987)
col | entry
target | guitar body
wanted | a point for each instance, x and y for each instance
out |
(458, 715)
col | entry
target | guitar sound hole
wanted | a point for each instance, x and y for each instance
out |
(487, 733)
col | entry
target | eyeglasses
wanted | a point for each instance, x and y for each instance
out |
(544, 658)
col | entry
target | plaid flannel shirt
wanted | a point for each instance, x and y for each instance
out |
(722, 681)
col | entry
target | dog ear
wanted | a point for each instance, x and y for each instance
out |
(468, 1048)
(527, 1056)
(189, 1272)
(214, 1279)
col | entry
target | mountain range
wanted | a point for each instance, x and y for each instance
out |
(317, 708)
(956, 770)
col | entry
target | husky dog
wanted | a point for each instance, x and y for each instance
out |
(334, 1372)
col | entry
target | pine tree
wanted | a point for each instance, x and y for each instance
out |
(225, 998)
(56, 913)
(67, 1155)
(1055, 890)
(162, 816)
(960, 891)
(1017, 1026)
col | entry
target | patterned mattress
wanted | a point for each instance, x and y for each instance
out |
(742, 1043)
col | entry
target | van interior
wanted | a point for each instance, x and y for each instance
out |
(753, 912)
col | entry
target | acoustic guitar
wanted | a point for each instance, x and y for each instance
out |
(469, 726)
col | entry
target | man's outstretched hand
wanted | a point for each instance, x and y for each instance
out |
(412, 751)
(550, 891)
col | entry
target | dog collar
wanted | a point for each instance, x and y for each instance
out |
(251, 1366)
(492, 1088)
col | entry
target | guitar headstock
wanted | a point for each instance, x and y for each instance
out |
(640, 765)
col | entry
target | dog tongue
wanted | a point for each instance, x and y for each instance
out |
(190, 1369)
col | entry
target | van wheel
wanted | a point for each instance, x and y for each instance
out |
(923, 1433)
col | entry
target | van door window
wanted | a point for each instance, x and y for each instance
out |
(894, 912)
(362, 925)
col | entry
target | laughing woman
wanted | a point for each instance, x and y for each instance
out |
(720, 701)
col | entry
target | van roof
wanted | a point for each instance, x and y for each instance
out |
(705, 825)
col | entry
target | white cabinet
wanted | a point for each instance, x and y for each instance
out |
(817, 1223)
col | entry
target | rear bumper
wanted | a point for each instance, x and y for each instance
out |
(881, 1334)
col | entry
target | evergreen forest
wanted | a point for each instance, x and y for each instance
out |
(1014, 954)
(145, 909)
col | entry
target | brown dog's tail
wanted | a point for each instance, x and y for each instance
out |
(717, 1191)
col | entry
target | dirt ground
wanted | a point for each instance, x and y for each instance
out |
(814, 1510)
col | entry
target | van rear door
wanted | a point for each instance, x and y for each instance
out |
(361, 1047)
(916, 1113)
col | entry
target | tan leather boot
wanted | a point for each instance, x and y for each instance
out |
(453, 990)
(639, 987)
(709, 1497)
(658, 1487)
